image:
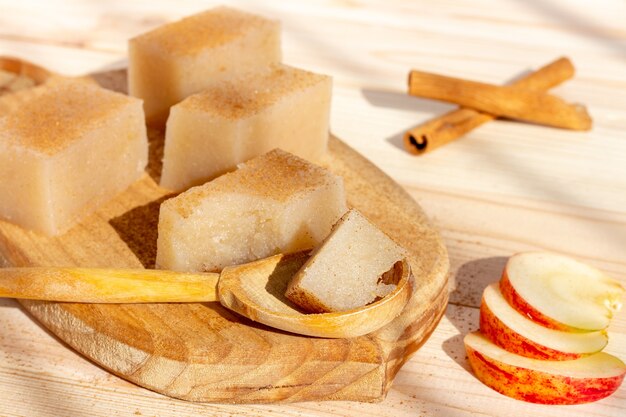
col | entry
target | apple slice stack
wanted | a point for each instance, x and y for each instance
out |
(542, 328)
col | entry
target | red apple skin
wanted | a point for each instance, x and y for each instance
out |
(505, 337)
(518, 303)
(539, 387)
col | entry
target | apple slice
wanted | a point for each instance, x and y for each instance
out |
(546, 382)
(512, 331)
(559, 292)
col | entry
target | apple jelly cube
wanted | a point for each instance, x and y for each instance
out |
(178, 59)
(232, 121)
(274, 203)
(65, 150)
(345, 271)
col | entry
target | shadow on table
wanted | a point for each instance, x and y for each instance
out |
(576, 21)
(8, 303)
(138, 228)
(471, 279)
(112, 77)
(401, 101)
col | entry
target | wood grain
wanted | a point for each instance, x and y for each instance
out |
(503, 188)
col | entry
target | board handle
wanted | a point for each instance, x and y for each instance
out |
(102, 285)
(25, 69)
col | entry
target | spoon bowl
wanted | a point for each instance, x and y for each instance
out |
(256, 290)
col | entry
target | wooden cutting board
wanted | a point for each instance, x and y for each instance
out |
(203, 352)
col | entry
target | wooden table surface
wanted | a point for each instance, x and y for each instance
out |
(504, 188)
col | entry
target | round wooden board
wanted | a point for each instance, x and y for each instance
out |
(203, 352)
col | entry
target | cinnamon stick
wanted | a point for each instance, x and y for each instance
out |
(456, 123)
(509, 101)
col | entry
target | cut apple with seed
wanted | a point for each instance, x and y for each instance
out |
(546, 382)
(559, 292)
(510, 330)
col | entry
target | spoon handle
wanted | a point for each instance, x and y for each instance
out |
(103, 285)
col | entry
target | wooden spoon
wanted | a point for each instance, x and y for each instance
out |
(254, 290)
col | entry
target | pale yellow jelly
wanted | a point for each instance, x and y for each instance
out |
(66, 149)
(181, 58)
(345, 271)
(274, 203)
(230, 122)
